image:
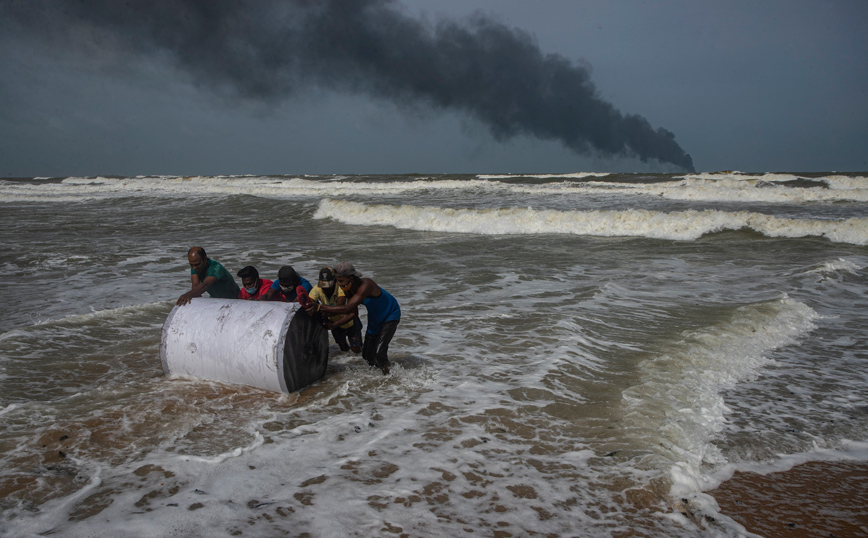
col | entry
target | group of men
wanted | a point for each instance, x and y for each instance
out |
(335, 300)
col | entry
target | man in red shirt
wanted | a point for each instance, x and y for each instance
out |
(253, 287)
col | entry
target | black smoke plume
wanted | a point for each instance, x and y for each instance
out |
(268, 49)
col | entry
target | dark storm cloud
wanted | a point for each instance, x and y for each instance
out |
(266, 50)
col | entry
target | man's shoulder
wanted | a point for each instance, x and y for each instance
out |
(216, 267)
(316, 292)
(369, 286)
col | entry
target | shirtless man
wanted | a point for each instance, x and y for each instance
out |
(384, 313)
(208, 275)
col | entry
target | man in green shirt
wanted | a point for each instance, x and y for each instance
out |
(208, 275)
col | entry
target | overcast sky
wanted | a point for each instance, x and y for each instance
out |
(551, 86)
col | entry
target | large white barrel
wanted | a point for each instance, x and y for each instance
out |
(271, 345)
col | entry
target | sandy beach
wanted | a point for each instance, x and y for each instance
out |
(815, 499)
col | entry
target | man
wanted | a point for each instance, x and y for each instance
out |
(344, 327)
(283, 289)
(252, 287)
(208, 275)
(384, 313)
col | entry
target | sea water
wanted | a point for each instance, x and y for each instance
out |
(579, 354)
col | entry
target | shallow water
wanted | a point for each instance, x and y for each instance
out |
(578, 355)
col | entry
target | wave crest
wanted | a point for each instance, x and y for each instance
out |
(683, 226)
(720, 187)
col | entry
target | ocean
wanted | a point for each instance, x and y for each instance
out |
(579, 354)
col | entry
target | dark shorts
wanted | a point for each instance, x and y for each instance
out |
(376, 350)
(353, 334)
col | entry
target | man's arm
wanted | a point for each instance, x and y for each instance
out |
(268, 295)
(198, 289)
(346, 319)
(365, 289)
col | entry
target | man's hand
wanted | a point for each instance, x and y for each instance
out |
(185, 299)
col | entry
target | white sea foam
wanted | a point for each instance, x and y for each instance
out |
(846, 182)
(741, 176)
(680, 404)
(83, 189)
(767, 188)
(258, 441)
(735, 187)
(95, 315)
(577, 175)
(850, 450)
(57, 512)
(91, 181)
(683, 226)
(706, 505)
(838, 266)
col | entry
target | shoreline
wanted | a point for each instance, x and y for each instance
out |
(827, 499)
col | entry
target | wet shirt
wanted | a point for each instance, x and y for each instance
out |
(264, 286)
(380, 310)
(225, 287)
(317, 294)
(290, 294)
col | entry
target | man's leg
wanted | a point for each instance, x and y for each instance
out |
(369, 349)
(354, 334)
(340, 337)
(376, 350)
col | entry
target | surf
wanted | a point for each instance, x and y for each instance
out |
(687, 225)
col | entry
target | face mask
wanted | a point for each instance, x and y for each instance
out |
(254, 289)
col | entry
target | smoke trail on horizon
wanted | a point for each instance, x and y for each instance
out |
(269, 49)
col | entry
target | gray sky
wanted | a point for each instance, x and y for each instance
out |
(750, 86)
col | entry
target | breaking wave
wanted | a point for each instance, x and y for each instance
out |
(682, 226)
(719, 187)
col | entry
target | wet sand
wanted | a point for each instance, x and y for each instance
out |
(815, 499)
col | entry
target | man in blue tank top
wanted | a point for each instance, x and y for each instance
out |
(384, 313)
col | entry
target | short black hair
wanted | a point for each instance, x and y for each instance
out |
(198, 251)
(248, 272)
(288, 274)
